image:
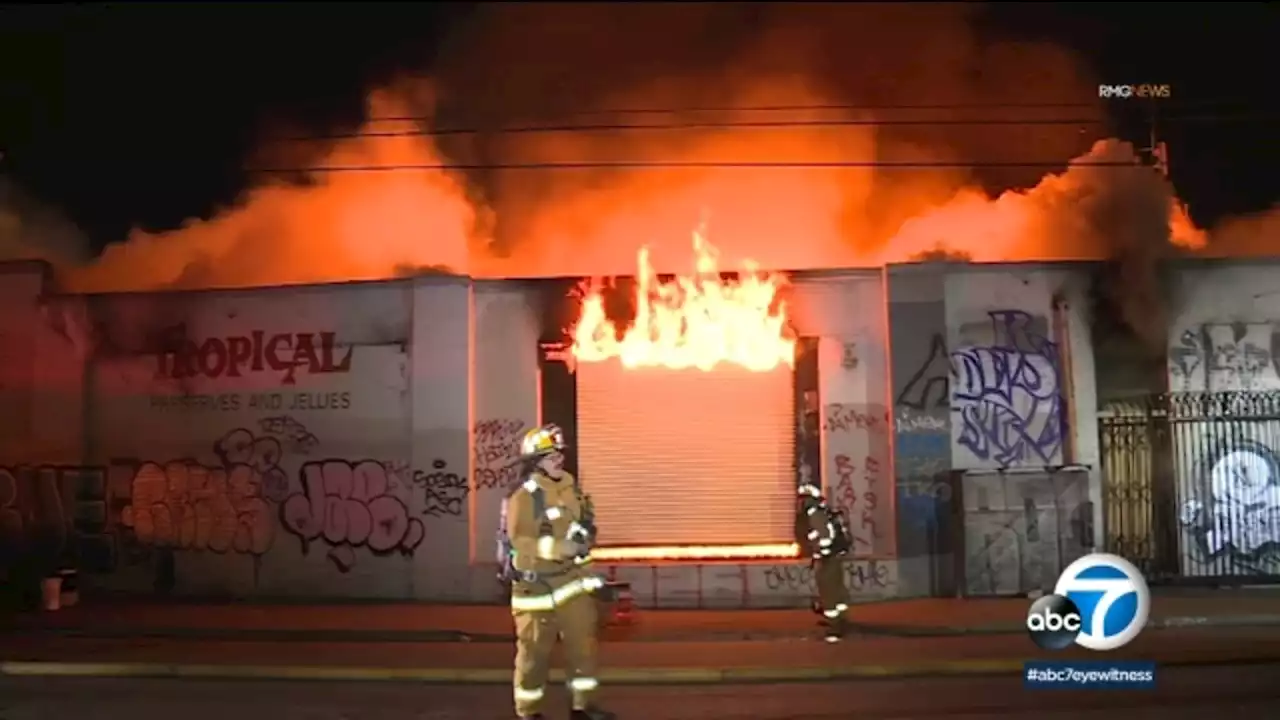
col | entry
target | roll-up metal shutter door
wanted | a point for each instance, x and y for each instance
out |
(687, 457)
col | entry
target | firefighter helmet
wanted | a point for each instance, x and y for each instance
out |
(809, 490)
(542, 441)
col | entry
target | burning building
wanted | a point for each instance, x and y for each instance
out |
(356, 439)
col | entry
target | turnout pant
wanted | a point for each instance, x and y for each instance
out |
(833, 596)
(574, 620)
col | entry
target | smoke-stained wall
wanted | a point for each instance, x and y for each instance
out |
(356, 440)
(994, 424)
(921, 372)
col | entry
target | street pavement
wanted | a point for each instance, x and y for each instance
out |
(703, 662)
(1181, 694)
(415, 623)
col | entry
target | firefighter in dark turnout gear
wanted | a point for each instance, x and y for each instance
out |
(551, 592)
(822, 530)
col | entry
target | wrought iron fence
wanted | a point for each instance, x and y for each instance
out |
(1192, 484)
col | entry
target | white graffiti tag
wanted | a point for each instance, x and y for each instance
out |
(1241, 516)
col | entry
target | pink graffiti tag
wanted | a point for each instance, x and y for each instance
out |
(858, 508)
(349, 507)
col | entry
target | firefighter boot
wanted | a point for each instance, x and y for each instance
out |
(593, 714)
(835, 629)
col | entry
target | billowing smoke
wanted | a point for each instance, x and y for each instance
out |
(334, 226)
(702, 68)
(31, 230)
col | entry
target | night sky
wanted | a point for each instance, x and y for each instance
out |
(143, 116)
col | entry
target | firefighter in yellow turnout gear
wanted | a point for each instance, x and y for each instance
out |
(551, 591)
(823, 532)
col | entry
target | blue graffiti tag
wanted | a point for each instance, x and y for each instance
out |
(1009, 394)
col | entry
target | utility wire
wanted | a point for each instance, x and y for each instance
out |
(625, 165)
(743, 125)
(821, 107)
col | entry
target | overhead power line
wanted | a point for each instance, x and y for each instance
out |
(746, 125)
(1167, 104)
(624, 165)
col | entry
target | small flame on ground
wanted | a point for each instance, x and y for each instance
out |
(696, 321)
(780, 551)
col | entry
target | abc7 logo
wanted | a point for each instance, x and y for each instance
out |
(1053, 622)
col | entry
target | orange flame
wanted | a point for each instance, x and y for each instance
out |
(697, 321)
(779, 551)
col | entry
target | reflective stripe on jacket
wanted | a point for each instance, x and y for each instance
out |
(545, 546)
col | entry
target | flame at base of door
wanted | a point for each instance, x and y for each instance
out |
(779, 551)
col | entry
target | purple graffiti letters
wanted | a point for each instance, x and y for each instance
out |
(242, 447)
(189, 506)
(497, 448)
(1009, 393)
(348, 505)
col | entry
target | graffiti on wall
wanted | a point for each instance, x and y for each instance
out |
(238, 504)
(293, 435)
(858, 479)
(444, 492)
(496, 445)
(186, 505)
(1008, 394)
(849, 356)
(262, 454)
(928, 387)
(1231, 356)
(861, 577)
(1022, 530)
(1005, 396)
(53, 513)
(350, 506)
(1233, 519)
(736, 585)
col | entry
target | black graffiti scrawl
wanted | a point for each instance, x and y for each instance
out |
(929, 386)
(444, 492)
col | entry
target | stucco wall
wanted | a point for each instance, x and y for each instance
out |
(375, 467)
(1224, 369)
(992, 375)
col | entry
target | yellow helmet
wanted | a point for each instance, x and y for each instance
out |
(542, 440)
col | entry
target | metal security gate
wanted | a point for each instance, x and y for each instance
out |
(1192, 484)
(686, 457)
(1129, 434)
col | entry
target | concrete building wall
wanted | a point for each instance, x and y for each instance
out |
(1224, 368)
(356, 440)
(993, 395)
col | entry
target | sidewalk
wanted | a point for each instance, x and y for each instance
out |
(418, 623)
(636, 663)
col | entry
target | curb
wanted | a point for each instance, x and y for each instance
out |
(620, 676)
